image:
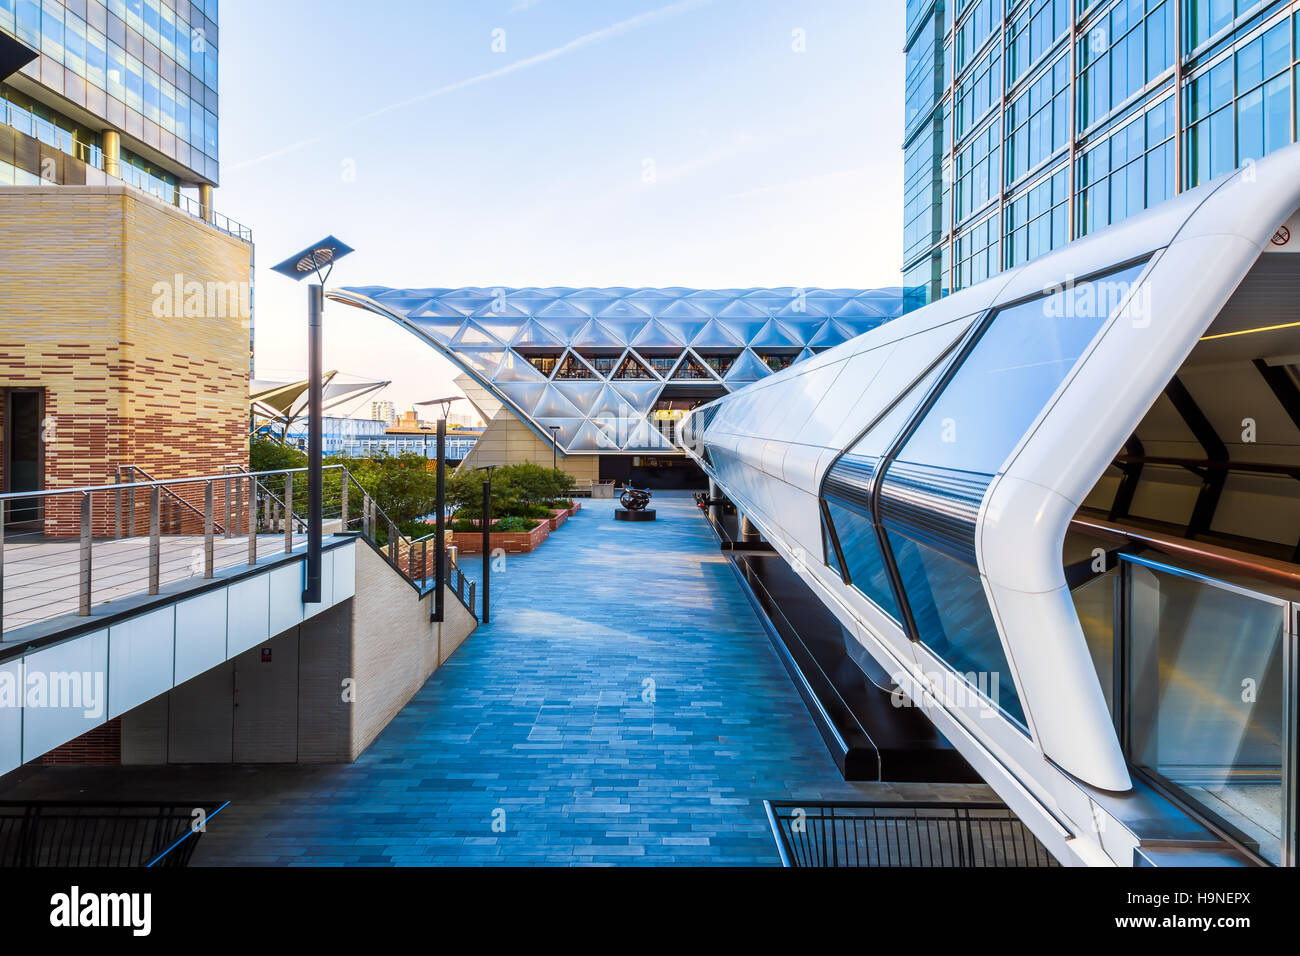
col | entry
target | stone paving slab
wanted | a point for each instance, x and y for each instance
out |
(624, 707)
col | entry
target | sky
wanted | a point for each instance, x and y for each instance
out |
(506, 143)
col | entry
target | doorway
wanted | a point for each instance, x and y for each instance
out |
(24, 453)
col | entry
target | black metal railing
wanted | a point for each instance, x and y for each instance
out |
(119, 835)
(902, 833)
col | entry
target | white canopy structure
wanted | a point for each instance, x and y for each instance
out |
(1062, 509)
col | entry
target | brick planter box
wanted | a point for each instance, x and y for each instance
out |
(557, 519)
(471, 542)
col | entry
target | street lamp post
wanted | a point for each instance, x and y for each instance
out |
(315, 260)
(555, 448)
(440, 516)
(487, 540)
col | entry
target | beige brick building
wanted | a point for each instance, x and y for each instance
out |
(124, 340)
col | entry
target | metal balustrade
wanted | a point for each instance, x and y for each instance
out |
(68, 551)
(64, 834)
(902, 833)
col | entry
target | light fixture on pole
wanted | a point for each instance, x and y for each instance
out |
(555, 447)
(317, 260)
(440, 504)
(487, 541)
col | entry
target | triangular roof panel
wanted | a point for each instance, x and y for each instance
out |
(596, 335)
(569, 428)
(592, 438)
(656, 336)
(516, 368)
(775, 335)
(718, 336)
(748, 368)
(640, 395)
(582, 394)
(525, 396)
(534, 333)
(553, 404)
(473, 335)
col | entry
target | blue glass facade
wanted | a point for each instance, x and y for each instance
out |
(1030, 123)
(146, 69)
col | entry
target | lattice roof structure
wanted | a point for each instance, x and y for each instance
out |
(588, 366)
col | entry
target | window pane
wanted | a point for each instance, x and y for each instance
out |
(1016, 366)
(1193, 649)
(866, 567)
(952, 614)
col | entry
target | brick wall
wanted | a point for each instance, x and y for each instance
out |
(132, 372)
(101, 747)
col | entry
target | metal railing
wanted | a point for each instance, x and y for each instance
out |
(67, 551)
(902, 833)
(62, 834)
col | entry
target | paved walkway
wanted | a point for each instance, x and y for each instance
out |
(624, 706)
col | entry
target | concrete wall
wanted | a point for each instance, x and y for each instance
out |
(319, 692)
(395, 646)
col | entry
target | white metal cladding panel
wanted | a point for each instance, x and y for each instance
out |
(326, 586)
(85, 659)
(800, 467)
(802, 397)
(286, 607)
(11, 716)
(200, 634)
(907, 363)
(140, 659)
(248, 614)
(345, 572)
(827, 416)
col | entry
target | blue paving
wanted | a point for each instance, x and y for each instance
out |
(624, 707)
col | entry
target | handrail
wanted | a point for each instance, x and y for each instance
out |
(89, 569)
(161, 483)
(1253, 566)
(189, 505)
(1254, 467)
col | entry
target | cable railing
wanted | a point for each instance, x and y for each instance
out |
(903, 833)
(66, 552)
(66, 834)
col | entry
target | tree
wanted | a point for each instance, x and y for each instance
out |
(465, 494)
(267, 454)
(401, 485)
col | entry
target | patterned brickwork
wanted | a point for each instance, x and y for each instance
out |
(133, 373)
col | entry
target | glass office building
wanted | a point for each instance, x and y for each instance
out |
(1033, 122)
(128, 87)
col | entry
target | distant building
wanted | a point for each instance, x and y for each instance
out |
(385, 412)
(364, 438)
(409, 421)
(595, 380)
(1029, 125)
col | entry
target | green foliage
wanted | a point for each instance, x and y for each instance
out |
(401, 485)
(514, 525)
(267, 454)
(518, 491)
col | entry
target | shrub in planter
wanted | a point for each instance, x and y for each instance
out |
(514, 525)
